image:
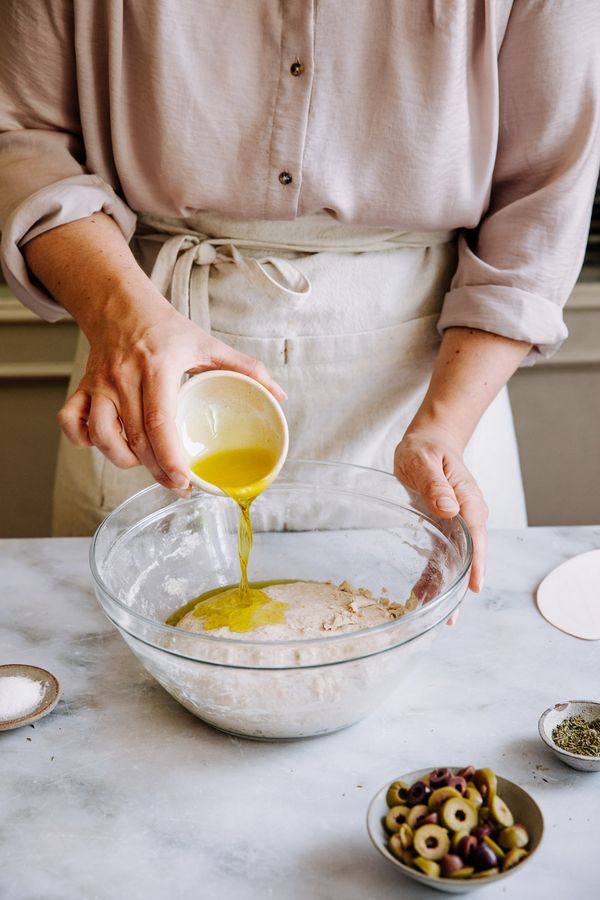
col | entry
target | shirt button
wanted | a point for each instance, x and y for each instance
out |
(285, 178)
(296, 68)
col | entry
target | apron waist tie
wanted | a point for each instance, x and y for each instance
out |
(172, 273)
(278, 278)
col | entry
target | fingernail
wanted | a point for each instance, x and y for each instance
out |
(447, 504)
(180, 481)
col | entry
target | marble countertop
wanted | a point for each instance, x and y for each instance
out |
(121, 793)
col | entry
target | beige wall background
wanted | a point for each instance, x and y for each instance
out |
(556, 406)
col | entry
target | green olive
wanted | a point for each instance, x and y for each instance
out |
(427, 866)
(405, 835)
(473, 796)
(396, 816)
(465, 872)
(485, 873)
(395, 845)
(486, 783)
(500, 812)
(438, 797)
(407, 857)
(397, 793)
(483, 815)
(401, 841)
(417, 814)
(513, 836)
(431, 841)
(498, 851)
(458, 814)
(513, 858)
(457, 838)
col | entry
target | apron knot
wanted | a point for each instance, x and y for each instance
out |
(205, 254)
(278, 278)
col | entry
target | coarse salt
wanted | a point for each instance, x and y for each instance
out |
(18, 696)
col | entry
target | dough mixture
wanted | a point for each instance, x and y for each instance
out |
(314, 609)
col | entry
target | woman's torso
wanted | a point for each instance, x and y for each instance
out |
(391, 118)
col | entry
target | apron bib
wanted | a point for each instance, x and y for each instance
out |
(345, 319)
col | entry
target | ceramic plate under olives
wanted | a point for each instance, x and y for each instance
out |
(522, 805)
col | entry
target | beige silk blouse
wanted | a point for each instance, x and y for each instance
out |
(424, 115)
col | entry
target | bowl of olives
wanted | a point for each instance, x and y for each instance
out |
(455, 829)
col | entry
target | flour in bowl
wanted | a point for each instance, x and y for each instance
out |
(314, 609)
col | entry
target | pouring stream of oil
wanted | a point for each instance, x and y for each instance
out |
(242, 474)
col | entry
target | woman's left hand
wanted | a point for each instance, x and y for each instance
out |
(429, 464)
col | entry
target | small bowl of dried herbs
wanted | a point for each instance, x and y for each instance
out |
(572, 731)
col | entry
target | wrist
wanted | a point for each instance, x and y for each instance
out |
(88, 268)
(435, 422)
(131, 304)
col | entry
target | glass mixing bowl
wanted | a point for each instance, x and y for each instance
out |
(319, 521)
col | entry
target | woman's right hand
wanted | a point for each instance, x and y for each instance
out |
(140, 347)
(125, 404)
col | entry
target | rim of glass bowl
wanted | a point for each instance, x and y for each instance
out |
(375, 629)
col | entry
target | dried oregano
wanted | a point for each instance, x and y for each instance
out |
(577, 735)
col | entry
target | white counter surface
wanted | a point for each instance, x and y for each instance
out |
(122, 794)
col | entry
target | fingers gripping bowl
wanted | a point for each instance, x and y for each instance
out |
(319, 521)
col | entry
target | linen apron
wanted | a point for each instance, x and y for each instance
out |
(343, 316)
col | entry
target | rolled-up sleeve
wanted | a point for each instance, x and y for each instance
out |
(43, 179)
(516, 270)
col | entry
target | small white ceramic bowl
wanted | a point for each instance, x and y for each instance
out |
(48, 699)
(523, 806)
(221, 410)
(557, 714)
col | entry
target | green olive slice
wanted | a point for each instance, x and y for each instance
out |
(496, 850)
(513, 836)
(486, 783)
(473, 796)
(427, 866)
(457, 838)
(396, 816)
(400, 842)
(465, 872)
(405, 835)
(431, 842)
(458, 814)
(438, 797)
(397, 793)
(500, 812)
(417, 814)
(485, 873)
(513, 858)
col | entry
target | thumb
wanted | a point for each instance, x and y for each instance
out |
(425, 474)
(225, 357)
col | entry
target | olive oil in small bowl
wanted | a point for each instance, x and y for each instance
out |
(235, 437)
(242, 474)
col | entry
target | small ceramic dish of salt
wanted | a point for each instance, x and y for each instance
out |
(26, 694)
